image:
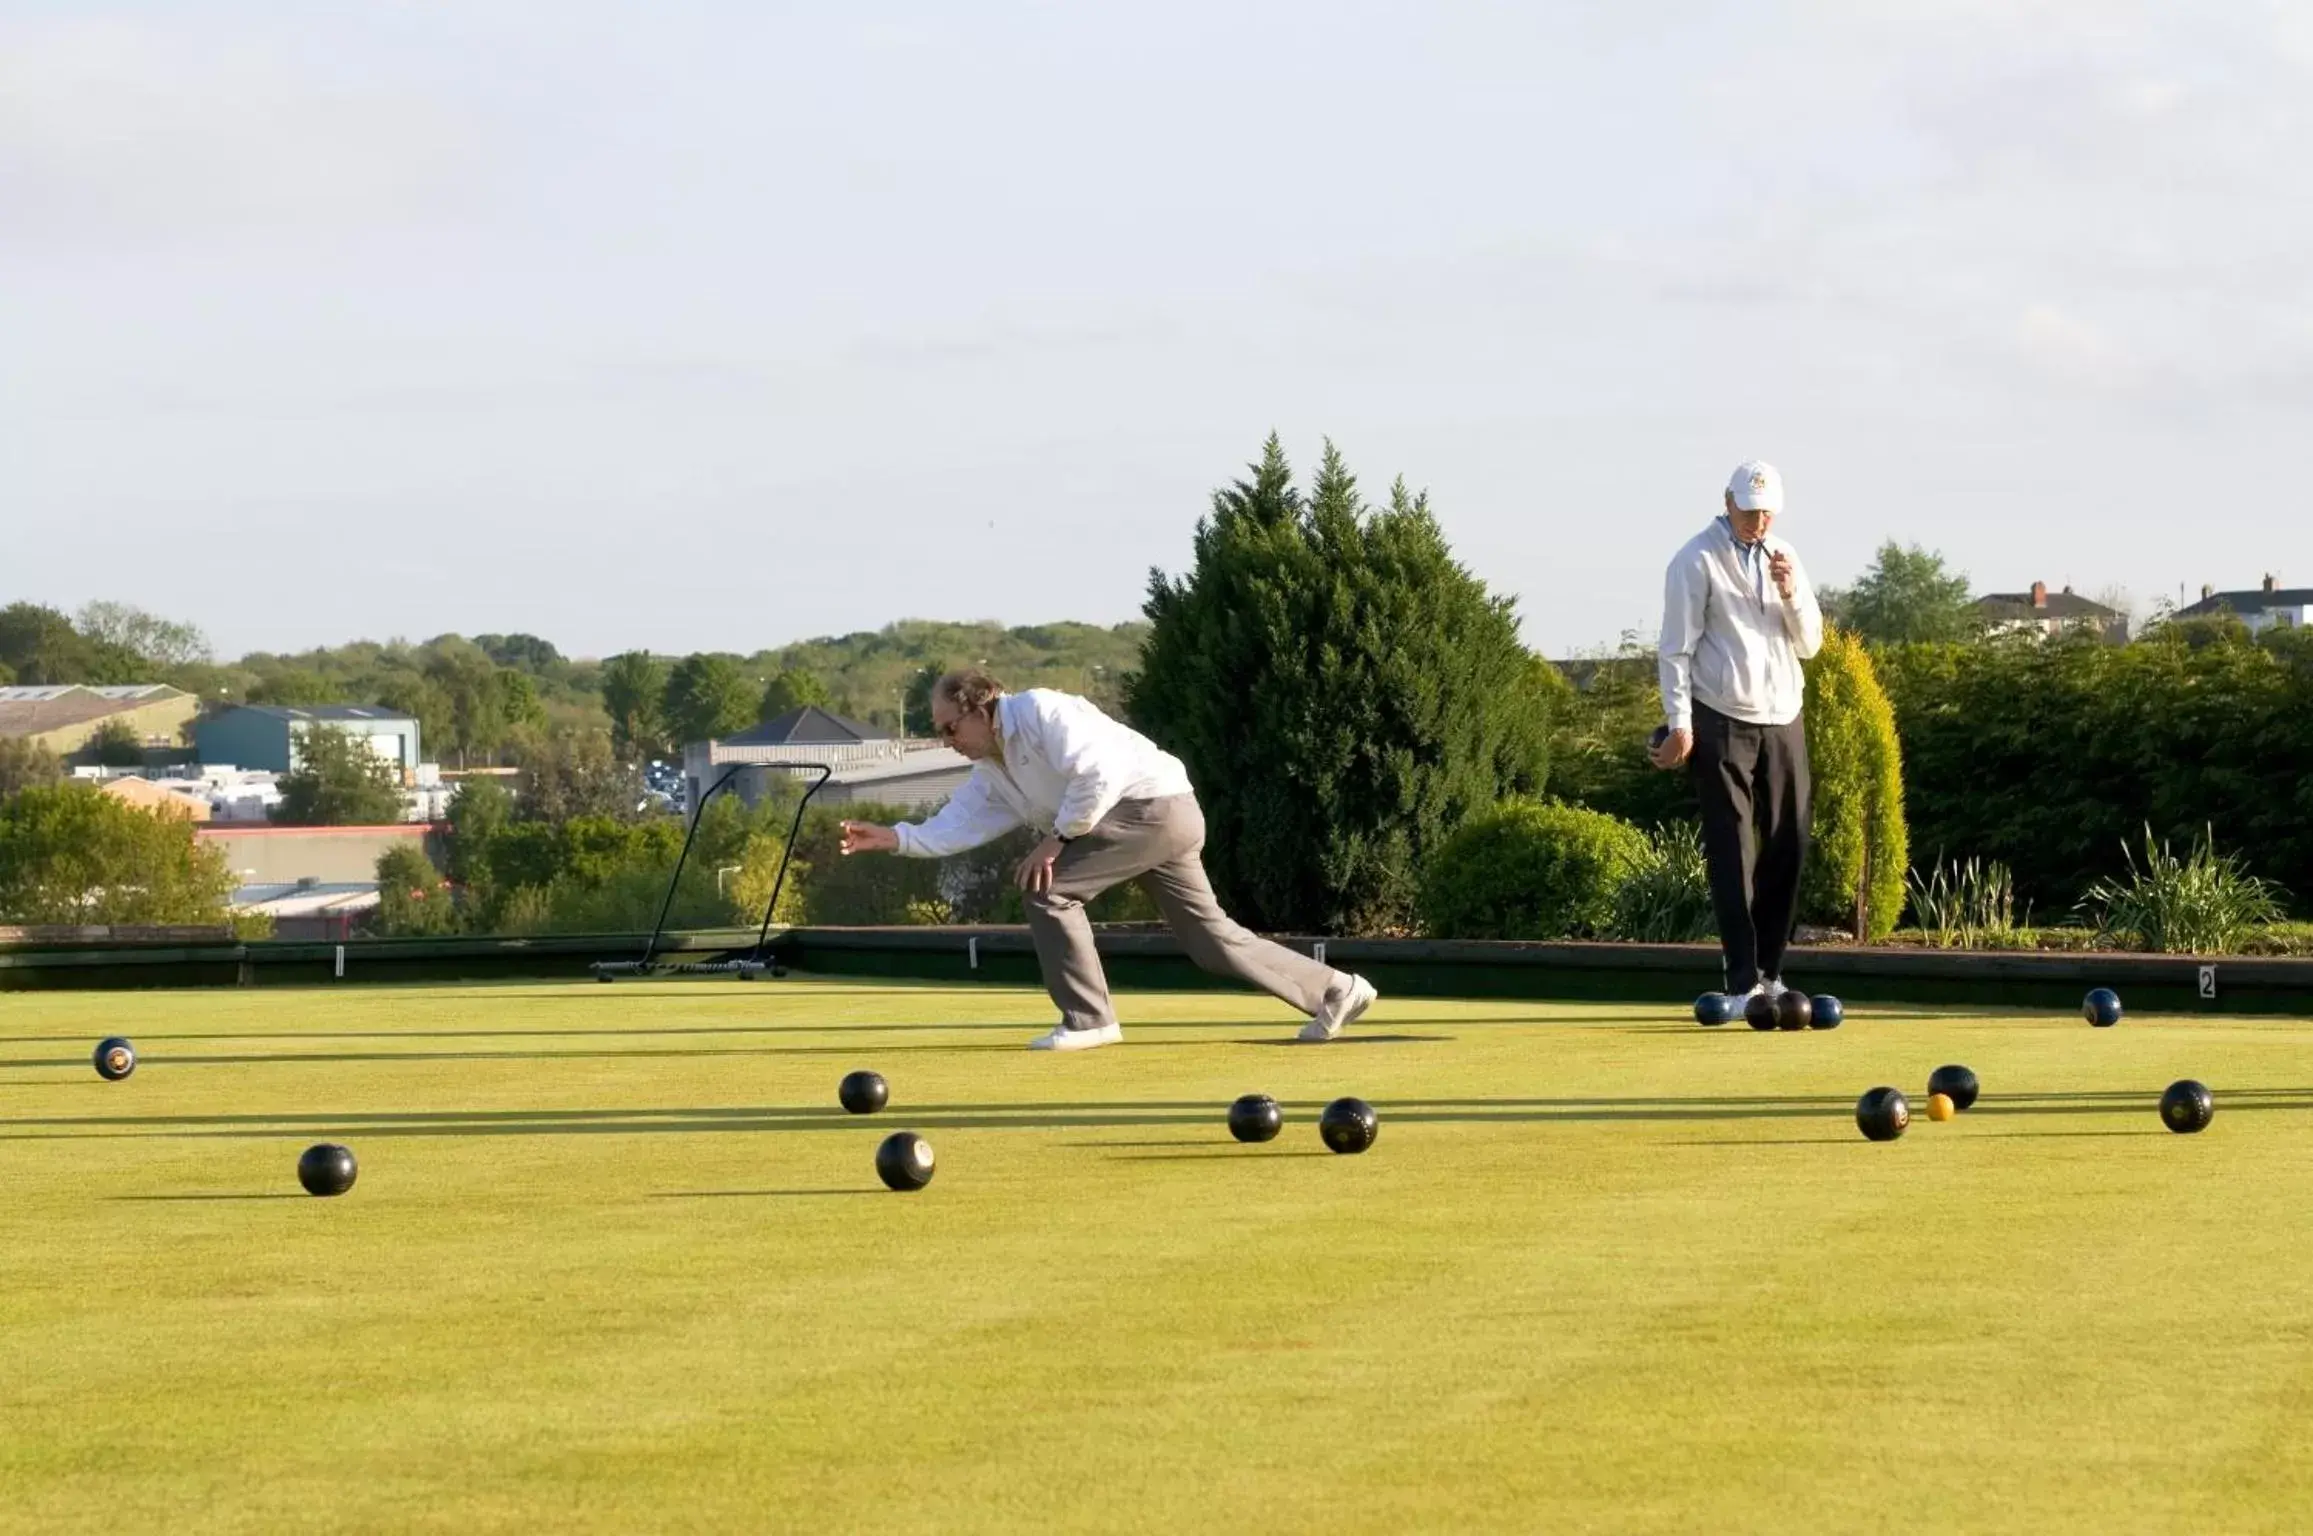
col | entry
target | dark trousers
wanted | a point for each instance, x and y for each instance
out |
(1752, 780)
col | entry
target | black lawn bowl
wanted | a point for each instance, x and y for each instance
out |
(1793, 1010)
(863, 1093)
(1349, 1125)
(115, 1058)
(1883, 1114)
(1713, 1009)
(2187, 1107)
(1826, 1012)
(904, 1161)
(1759, 1011)
(2101, 1008)
(1955, 1083)
(1256, 1117)
(327, 1169)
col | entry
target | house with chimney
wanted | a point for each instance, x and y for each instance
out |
(2269, 606)
(2049, 612)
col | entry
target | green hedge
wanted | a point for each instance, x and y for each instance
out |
(2055, 757)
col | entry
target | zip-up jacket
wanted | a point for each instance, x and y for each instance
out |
(1065, 766)
(1729, 639)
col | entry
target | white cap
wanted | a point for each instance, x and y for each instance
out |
(1757, 486)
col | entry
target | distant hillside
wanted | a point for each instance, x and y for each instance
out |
(494, 695)
(868, 673)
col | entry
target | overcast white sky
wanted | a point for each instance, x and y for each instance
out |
(713, 325)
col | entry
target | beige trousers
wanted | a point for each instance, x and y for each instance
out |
(1156, 842)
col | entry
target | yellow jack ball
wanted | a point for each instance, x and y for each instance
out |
(1940, 1106)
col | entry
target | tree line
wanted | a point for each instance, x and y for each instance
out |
(1355, 706)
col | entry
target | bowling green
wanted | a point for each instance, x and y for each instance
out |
(617, 1262)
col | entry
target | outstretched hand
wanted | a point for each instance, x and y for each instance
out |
(867, 837)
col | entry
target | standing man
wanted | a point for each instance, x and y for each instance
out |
(1738, 618)
(1113, 807)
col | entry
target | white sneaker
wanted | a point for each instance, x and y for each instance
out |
(1339, 1010)
(1773, 987)
(1063, 1038)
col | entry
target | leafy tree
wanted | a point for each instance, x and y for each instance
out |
(519, 701)
(476, 691)
(578, 775)
(792, 689)
(161, 644)
(524, 653)
(478, 813)
(115, 744)
(1906, 595)
(7, 674)
(339, 781)
(634, 686)
(295, 687)
(1860, 845)
(423, 700)
(412, 898)
(41, 646)
(708, 696)
(1343, 693)
(69, 853)
(868, 673)
(916, 703)
(25, 765)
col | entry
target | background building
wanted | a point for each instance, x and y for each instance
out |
(2048, 612)
(264, 736)
(869, 765)
(2270, 606)
(64, 716)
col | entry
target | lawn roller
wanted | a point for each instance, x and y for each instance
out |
(757, 960)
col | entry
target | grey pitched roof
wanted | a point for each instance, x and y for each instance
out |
(2059, 605)
(31, 709)
(2255, 600)
(808, 726)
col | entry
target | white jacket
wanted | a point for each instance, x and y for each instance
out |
(1729, 639)
(1065, 766)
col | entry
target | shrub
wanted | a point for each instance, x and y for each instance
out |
(2199, 904)
(1527, 870)
(866, 889)
(1598, 752)
(1667, 899)
(1861, 849)
(1964, 905)
(751, 887)
(412, 898)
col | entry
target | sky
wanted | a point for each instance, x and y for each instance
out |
(701, 325)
